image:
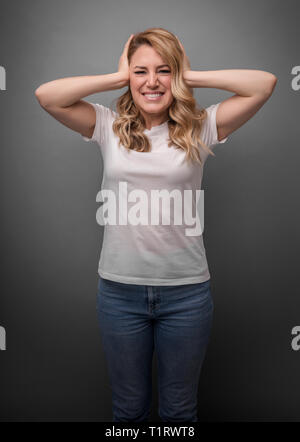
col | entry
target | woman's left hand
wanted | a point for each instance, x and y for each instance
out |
(186, 61)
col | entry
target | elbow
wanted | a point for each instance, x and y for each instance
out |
(270, 86)
(40, 96)
(274, 80)
(37, 92)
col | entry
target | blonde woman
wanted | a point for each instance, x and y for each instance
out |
(154, 282)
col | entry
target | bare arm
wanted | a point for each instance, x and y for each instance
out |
(62, 98)
(67, 91)
(252, 89)
(243, 82)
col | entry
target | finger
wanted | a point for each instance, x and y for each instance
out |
(130, 38)
(127, 42)
(178, 40)
(180, 44)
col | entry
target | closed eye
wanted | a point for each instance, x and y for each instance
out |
(141, 72)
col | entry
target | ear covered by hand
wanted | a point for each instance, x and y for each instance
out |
(123, 62)
(186, 61)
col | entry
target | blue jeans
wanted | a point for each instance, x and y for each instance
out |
(136, 319)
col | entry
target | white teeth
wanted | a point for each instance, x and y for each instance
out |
(153, 95)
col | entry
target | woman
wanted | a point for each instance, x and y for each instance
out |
(154, 282)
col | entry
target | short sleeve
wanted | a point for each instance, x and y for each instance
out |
(104, 120)
(209, 133)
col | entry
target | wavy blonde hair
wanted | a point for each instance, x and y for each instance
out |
(185, 118)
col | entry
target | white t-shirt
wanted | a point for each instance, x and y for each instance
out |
(136, 248)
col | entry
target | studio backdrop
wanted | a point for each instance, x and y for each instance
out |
(52, 365)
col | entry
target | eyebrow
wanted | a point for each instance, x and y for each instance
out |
(144, 67)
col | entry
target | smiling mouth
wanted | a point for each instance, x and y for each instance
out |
(155, 96)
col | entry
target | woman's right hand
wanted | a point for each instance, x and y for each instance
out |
(123, 62)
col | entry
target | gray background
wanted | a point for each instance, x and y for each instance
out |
(54, 367)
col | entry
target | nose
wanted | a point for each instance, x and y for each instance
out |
(152, 80)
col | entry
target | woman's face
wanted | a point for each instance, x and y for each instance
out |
(147, 74)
